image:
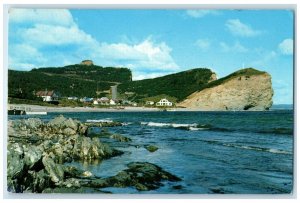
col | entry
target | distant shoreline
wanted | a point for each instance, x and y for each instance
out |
(50, 109)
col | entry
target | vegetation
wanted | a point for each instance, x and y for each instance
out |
(23, 84)
(91, 72)
(247, 72)
(178, 85)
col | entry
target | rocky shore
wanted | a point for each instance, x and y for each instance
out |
(37, 152)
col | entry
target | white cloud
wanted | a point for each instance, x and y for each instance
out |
(286, 47)
(235, 48)
(236, 27)
(44, 39)
(203, 44)
(145, 54)
(201, 13)
(42, 34)
(56, 17)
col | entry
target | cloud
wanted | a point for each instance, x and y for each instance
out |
(237, 28)
(286, 47)
(56, 17)
(144, 75)
(201, 13)
(47, 37)
(235, 48)
(43, 34)
(203, 44)
(146, 54)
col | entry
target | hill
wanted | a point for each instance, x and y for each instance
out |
(246, 89)
(74, 80)
(178, 85)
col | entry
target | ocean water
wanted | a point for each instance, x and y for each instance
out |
(212, 152)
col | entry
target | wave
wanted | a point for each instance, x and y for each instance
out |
(192, 127)
(271, 150)
(99, 121)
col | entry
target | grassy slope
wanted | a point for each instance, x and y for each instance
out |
(178, 85)
(247, 72)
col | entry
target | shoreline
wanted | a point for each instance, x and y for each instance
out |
(52, 109)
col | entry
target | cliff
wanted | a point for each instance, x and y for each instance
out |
(247, 89)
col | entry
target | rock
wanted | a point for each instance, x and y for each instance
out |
(151, 148)
(141, 175)
(120, 138)
(55, 171)
(70, 123)
(87, 174)
(38, 181)
(69, 131)
(57, 122)
(15, 161)
(33, 123)
(247, 89)
(32, 156)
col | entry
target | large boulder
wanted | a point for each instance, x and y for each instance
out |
(54, 170)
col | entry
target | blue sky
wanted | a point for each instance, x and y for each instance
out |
(157, 42)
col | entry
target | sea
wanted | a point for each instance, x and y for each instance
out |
(212, 152)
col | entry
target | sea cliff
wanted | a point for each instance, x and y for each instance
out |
(247, 89)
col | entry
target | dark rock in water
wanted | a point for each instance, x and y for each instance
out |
(120, 138)
(177, 187)
(141, 175)
(218, 190)
(103, 124)
(151, 148)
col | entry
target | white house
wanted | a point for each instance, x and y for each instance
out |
(47, 96)
(149, 102)
(112, 102)
(164, 102)
(95, 102)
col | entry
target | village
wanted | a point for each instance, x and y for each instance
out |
(109, 101)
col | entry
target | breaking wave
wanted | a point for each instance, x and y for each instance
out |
(192, 127)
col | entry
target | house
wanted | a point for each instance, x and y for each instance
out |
(87, 62)
(149, 102)
(87, 100)
(103, 101)
(112, 102)
(73, 98)
(95, 102)
(164, 102)
(48, 96)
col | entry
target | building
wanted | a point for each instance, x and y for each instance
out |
(48, 96)
(87, 100)
(103, 101)
(164, 102)
(87, 62)
(149, 102)
(112, 102)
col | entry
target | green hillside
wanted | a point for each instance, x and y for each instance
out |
(91, 72)
(178, 85)
(73, 80)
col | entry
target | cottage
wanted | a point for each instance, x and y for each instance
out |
(48, 96)
(149, 102)
(103, 101)
(164, 102)
(87, 100)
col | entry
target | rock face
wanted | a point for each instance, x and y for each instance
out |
(37, 152)
(238, 92)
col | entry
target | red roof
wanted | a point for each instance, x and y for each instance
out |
(45, 93)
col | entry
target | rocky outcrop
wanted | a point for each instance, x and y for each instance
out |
(247, 89)
(37, 152)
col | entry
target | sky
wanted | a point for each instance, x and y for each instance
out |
(157, 42)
